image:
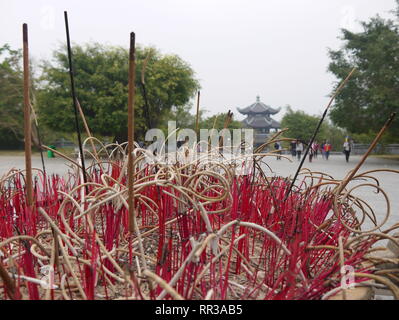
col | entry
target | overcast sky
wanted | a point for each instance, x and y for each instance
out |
(276, 49)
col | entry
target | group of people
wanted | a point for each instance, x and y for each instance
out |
(298, 148)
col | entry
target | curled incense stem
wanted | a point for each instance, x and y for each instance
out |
(8, 282)
(163, 284)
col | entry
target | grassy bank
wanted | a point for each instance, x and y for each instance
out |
(387, 156)
(15, 153)
(21, 153)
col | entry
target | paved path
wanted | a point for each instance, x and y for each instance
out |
(53, 165)
(335, 166)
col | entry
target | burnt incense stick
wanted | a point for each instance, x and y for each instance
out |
(39, 140)
(88, 132)
(227, 121)
(146, 105)
(144, 92)
(40, 149)
(131, 93)
(73, 93)
(317, 131)
(27, 122)
(197, 117)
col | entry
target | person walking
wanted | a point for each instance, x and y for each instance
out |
(327, 149)
(293, 148)
(322, 149)
(278, 148)
(347, 149)
(311, 153)
(315, 147)
(299, 149)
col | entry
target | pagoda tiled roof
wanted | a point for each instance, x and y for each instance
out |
(258, 108)
(261, 121)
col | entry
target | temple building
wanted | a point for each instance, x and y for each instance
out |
(258, 118)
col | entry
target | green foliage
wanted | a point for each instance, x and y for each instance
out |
(217, 122)
(372, 94)
(368, 137)
(186, 120)
(365, 138)
(182, 116)
(101, 75)
(11, 98)
(301, 126)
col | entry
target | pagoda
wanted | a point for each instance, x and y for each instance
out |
(258, 118)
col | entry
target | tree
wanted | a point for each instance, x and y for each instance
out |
(182, 116)
(11, 98)
(101, 75)
(301, 126)
(372, 94)
(217, 122)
